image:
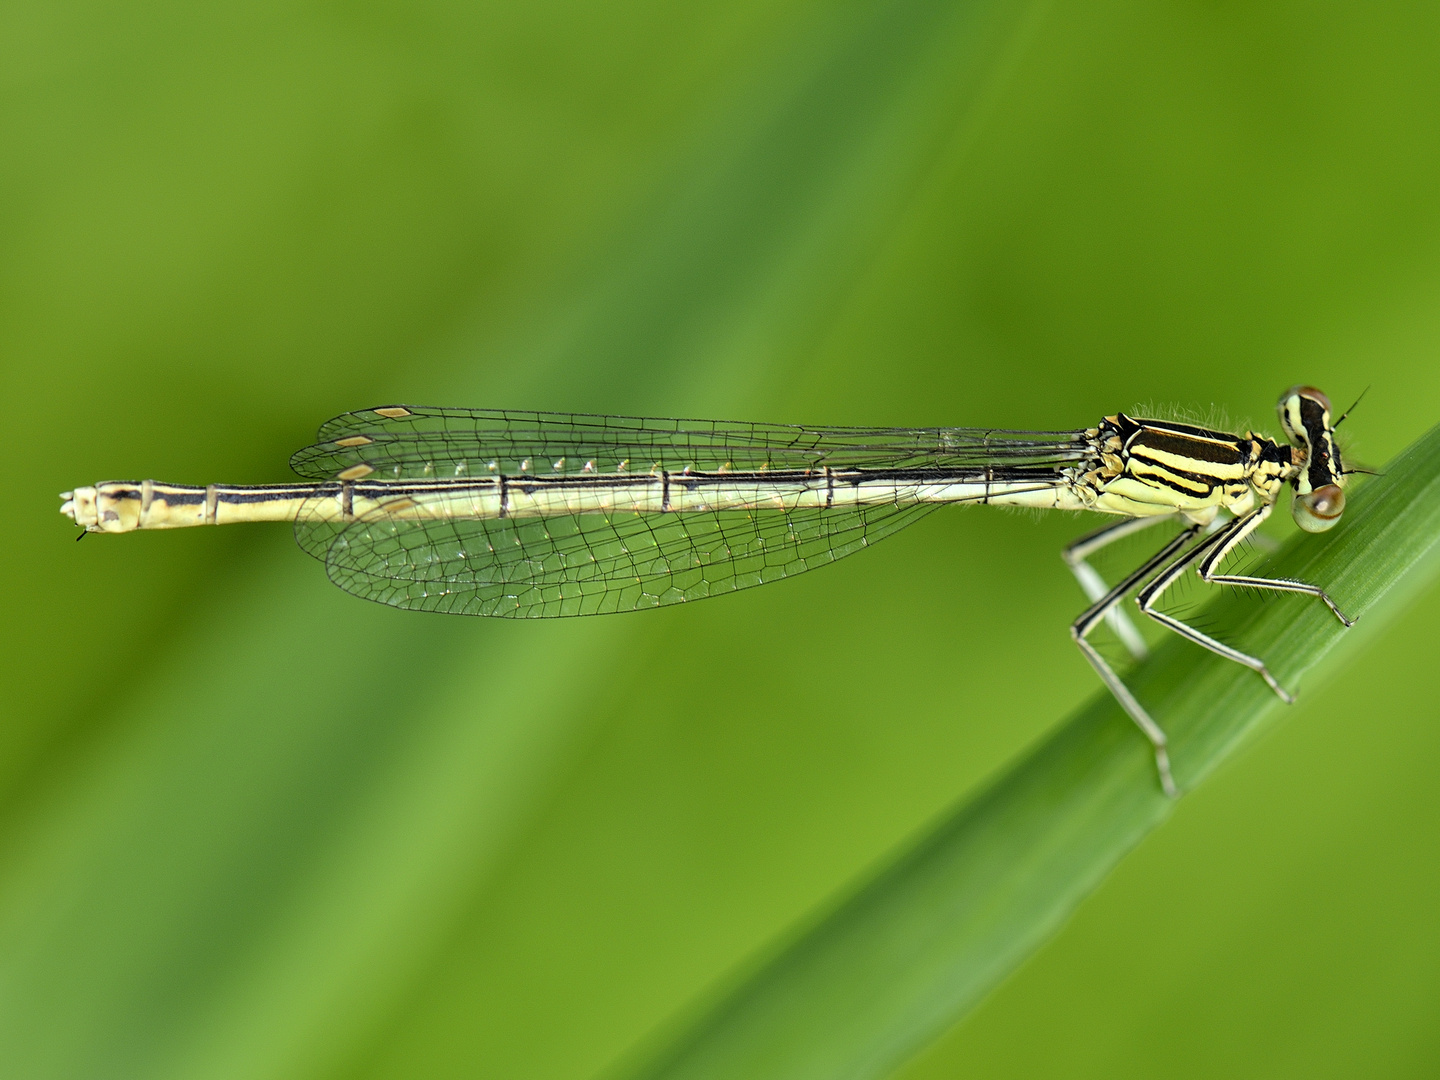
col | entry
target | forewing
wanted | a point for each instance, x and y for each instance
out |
(413, 442)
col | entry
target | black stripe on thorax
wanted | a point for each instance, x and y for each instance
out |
(1169, 468)
(1195, 444)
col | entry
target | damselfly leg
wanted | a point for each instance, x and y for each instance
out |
(1076, 555)
(1245, 528)
(1080, 630)
(1206, 556)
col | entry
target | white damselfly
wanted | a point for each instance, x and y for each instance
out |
(535, 515)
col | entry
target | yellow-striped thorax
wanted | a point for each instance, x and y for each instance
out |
(1148, 468)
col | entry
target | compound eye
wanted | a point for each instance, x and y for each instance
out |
(1318, 510)
(1305, 392)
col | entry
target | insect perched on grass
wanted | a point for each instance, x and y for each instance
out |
(535, 515)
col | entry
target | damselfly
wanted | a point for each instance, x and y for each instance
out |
(534, 515)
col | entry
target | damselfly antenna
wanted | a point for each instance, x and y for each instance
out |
(1346, 413)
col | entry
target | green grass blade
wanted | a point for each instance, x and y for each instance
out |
(922, 943)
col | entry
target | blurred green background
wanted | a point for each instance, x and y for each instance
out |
(250, 827)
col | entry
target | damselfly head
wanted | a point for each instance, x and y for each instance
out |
(1319, 476)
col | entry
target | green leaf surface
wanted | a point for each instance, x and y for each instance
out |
(919, 946)
(253, 828)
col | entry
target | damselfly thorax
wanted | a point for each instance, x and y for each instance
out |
(526, 514)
